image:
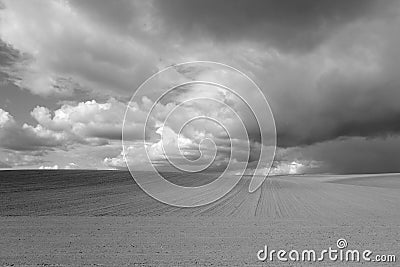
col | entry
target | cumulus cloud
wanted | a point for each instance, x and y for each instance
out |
(85, 119)
(55, 167)
(90, 122)
(134, 154)
(5, 118)
(87, 123)
(71, 166)
(27, 137)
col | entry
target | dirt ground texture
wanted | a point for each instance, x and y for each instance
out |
(102, 218)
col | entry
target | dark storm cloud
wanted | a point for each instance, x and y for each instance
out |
(286, 25)
(360, 155)
(348, 87)
(120, 15)
(343, 109)
(346, 155)
(309, 106)
(8, 57)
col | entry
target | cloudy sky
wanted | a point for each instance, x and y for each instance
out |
(329, 69)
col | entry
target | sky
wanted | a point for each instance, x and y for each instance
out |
(329, 70)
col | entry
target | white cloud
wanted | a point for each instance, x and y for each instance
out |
(5, 118)
(135, 155)
(85, 122)
(71, 166)
(55, 167)
(27, 137)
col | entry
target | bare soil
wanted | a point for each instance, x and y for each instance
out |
(102, 218)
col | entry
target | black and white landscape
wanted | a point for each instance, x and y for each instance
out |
(79, 118)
